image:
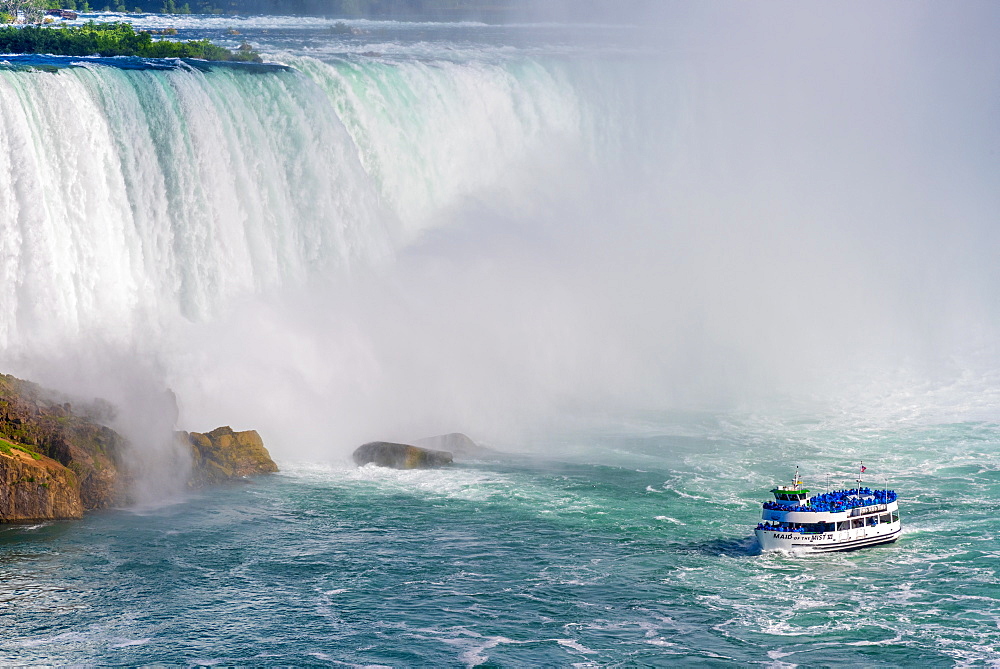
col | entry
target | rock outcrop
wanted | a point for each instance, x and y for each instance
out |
(34, 487)
(32, 422)
(400, 456)
(224, 455)
(57, 461)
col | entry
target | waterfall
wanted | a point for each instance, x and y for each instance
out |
(393, 236)
(142, 209)
(127, 197)
(133, 197)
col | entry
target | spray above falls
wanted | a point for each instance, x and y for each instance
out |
(394, 239)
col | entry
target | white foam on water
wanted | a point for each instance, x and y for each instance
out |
(465, 484)
(444, 482)
(125, 643)
(475, 646)
(575, 645)
(65, 637)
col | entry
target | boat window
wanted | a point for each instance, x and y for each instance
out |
(895, 516)
(844, 525)
(885, 518)
(858, 522)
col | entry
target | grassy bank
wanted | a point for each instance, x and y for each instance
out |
(112, 39)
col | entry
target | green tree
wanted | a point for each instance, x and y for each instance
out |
(112, 39)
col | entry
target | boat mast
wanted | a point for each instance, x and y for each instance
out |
(860, 472)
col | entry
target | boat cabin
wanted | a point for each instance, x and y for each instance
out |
(788, 494)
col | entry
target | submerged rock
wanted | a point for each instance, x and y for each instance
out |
(224, 455)
(400, 456)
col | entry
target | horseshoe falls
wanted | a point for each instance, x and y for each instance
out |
(653, 263)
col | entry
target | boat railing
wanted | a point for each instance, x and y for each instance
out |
(863, 510)
(792, 530)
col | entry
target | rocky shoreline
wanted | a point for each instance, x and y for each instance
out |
(58, 460)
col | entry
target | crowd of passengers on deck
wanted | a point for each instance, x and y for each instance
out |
(818, 528)
(838, 500)
(786, 527)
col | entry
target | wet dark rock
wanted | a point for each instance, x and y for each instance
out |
(400, 456)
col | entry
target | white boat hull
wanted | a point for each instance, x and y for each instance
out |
(828, 542)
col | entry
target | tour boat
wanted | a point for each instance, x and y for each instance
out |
(841, 520)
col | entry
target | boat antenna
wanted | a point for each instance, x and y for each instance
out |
(796, 481)
(860, 472)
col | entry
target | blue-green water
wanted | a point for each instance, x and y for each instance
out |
(633, 546)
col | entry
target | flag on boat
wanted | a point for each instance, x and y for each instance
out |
(863, 468)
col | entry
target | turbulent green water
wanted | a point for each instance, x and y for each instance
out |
(631, 546)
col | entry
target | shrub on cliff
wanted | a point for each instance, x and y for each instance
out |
(111, 39)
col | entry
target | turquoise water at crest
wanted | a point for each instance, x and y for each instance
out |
(630, 546)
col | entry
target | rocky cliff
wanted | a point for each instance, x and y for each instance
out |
(223, 455)
(34, 487)
(57, 460)
(33, 423)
